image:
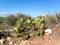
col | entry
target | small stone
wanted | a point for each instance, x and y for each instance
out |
(11, 42)
(48, 31)
(8, 38)
(2, 41)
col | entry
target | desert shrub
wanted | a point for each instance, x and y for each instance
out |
(58, 16)
(25, 37)
(37, 33)
(50, 20)
(15, 35)
(26, 26)
(23, 27)
(11, 20)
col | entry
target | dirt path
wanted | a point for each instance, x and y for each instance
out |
(51, 42)
(38, 41)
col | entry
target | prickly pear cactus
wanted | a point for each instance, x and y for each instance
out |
(28, 21)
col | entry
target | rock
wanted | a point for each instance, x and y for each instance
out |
(8, 38)
(48, 31)
(2, 41)
(11, 43)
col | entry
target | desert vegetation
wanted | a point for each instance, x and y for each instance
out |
(25, 26)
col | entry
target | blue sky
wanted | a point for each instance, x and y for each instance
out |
(29, 7)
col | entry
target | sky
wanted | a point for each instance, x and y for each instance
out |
(30, 7)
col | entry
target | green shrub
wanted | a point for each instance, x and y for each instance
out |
(28, 26)
(28, 21)
(15, 35)
(37, 33)
(25, 37)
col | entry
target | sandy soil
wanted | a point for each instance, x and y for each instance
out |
(48, 40)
